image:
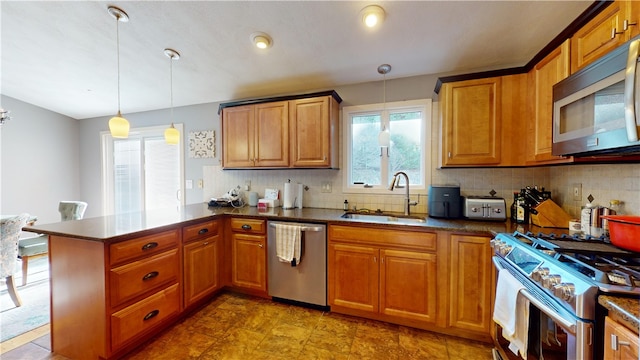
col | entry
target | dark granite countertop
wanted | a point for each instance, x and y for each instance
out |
(124, 226)
(627, 309)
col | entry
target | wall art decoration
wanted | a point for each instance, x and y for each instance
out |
(202, 144)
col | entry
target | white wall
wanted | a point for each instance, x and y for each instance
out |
(39, 157)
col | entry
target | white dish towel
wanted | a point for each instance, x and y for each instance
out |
(511, 312)
(288, 243)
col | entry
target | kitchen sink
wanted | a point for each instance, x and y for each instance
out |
(382, 218)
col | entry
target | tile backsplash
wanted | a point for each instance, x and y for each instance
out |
(604, 182)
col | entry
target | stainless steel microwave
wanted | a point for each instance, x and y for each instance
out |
(595, 109)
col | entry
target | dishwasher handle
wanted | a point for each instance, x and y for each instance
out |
(306, 227)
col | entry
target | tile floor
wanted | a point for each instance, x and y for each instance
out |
(235, 326)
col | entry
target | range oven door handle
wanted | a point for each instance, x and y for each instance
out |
(567, 324)
(630, 91)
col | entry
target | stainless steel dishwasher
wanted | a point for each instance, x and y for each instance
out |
(306, 282)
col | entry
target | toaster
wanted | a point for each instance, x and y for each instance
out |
(484, 208)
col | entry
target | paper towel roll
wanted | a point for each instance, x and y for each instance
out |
(290, 192)
(299, 196)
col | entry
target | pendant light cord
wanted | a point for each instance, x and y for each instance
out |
(171, 75)
(118, 54)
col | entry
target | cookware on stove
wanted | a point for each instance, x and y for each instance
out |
(624, 231)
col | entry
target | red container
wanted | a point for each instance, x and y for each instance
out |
(624, 231)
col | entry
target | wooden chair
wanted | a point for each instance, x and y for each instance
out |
(10, 229)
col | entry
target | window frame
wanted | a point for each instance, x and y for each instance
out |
(422, 105)
(107, 147)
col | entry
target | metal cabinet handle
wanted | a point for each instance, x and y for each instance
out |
(630, 93)
(150, 275)
(626, 24)
(615, 32)
(149, 246)
(151, 315)
(260, 246)
(203, 231)
(246, 227)
(615, 342)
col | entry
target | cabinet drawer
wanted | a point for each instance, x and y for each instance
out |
(131, 280)
(201, 230)
(415, 239)
(143, 315)
(248, 225)
(144, 246)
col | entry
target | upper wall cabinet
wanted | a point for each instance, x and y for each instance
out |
(471, 122)
(546, 73)
(482, 121)
(314, 128)
(284, 132)
(256, 135)
(611, 28)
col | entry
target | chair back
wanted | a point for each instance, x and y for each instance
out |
(72, 210)
(10, 229)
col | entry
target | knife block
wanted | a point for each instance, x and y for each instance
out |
(549, 214)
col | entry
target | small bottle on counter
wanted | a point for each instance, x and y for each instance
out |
(345, 206)
(513, 206)
(522, 210)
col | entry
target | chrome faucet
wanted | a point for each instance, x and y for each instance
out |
(394, 184)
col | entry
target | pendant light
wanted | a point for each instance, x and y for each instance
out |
(384, 136)
(118, 125)
(172, 135)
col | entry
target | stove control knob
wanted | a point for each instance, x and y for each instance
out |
(494, 243)
(565, 291)
(504, 249)
(550, 281)
(539, 273)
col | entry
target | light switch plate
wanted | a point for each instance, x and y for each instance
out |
(325, 186)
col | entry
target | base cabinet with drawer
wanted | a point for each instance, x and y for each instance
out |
(201, 259)
(384, 274)
(108, 298)
(249, 255)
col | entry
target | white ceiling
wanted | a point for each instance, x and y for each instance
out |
(62, 55)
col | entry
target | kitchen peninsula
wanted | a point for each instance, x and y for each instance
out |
(118, 280)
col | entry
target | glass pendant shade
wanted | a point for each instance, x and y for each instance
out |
(384, 138)
(119, 127)
(172, 135)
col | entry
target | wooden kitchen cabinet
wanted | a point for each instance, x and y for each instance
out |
(384, 274)
(313, 125)
(249, 255)
(471, 122)
(201, 254)
(549, 71)
(470, 284)
(620, 343)
(605, 32)
(107, 298)
(256, 135)
(284, 132)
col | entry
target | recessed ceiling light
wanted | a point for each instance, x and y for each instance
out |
(372, 15)
(261, 40)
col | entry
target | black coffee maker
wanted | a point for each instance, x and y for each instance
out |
(445, 201)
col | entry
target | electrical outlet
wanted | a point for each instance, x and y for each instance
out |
(247, 185)
(577, 192)
(200, 183)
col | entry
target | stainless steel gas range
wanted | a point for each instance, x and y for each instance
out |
(561, 278)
